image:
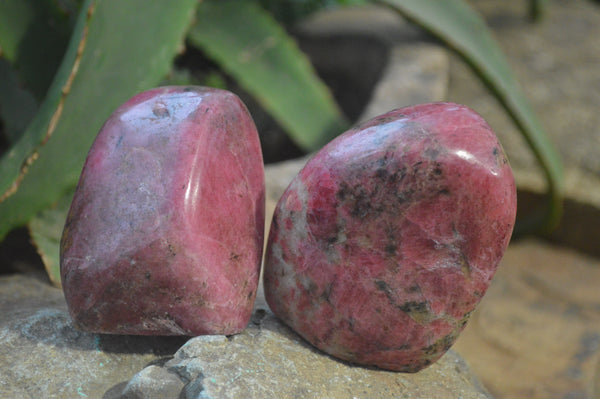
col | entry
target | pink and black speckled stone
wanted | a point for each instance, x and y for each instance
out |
(165, 232)
(389, 237)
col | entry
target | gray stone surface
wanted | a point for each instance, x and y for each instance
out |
(43, 356)
(154, 382)
(268, 360)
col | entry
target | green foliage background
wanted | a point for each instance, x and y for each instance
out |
(65, 65)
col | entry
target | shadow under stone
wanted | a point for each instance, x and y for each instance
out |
(158, 345)
(36, 312)
(54, 327)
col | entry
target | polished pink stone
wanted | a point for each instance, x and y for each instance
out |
(385, 242)
(165, 232)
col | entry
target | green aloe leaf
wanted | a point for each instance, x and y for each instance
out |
(118, 48)
(15, 17)
(14, 163)
(251, 46)
(17, 106)
(33, 37)
(45, 230)
(462, 29)
(537, 9)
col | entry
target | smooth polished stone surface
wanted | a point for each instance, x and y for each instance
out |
(389, 237)
(165, 232)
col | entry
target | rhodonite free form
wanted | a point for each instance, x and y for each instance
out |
(386, 241)
(165, 231)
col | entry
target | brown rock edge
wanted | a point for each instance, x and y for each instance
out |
(536, 333)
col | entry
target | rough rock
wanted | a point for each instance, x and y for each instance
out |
(43, 356)
(268, 360)
(536, 333)
(154, 382)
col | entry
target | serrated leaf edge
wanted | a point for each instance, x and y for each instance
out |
(34, 155)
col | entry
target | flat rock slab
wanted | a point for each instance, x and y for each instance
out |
(268, 360)
(536, 333)
(43, 356)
